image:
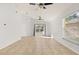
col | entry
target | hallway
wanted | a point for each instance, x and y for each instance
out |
(36, 46)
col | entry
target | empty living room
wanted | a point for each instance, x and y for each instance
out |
(39, 28)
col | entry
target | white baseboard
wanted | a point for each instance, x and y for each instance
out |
(46, 37)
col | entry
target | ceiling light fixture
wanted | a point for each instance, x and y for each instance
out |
(41, 5)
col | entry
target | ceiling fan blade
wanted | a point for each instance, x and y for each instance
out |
(48, 3)
(32, 3)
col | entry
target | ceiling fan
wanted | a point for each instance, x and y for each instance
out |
(41, 5)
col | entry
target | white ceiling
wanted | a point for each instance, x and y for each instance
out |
(52, 11)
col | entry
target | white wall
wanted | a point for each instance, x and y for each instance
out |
(17, 25)
(11, 32)
(26, 25)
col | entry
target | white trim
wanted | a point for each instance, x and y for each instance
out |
(46, 37)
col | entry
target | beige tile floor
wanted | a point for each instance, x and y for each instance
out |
(36, 46)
